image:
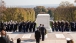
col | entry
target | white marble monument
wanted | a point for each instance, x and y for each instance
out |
(44, 19)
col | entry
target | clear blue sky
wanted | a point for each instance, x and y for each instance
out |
(33, 2)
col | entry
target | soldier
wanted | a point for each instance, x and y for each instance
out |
(53, 28)
(66, 26)
(1, 25)
(34, 25)
(15, 26)
(30, 26)
(8, 26)
(5, 25)
(11, 26)
(20, 26)
(56, 25)
(75, 26)
(24, 26)
(72, 26)
(59, 25)
(62, 26)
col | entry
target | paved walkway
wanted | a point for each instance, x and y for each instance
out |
(54, 37)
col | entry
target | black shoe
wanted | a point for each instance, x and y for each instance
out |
(42, 40)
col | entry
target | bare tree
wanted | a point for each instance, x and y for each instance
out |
(65, 4)
(2, 6)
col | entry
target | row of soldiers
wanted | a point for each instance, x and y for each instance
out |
(25, 26)
(63, 26)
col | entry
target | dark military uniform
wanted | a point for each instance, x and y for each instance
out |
(37, 36)
(15, 26)
(8, 26)
(34, 25)
(62, 26)
(20, 27)
(11, 27)
(75, 26)
(72, 26)
(53, 27)
(66, 26)
(24, 27)
(30, 26)
(56, 26)
(1, 26)
(27, 26)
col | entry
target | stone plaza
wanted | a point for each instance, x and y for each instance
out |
(54, 37)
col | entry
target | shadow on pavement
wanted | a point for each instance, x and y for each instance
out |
(28, 40)
(19, 32)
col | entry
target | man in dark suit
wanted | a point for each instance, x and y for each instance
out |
(43, 31)
(37, 35)
(18, 40)
(4, 38)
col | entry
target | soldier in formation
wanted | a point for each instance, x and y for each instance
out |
(63, 26)
(14, 26)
